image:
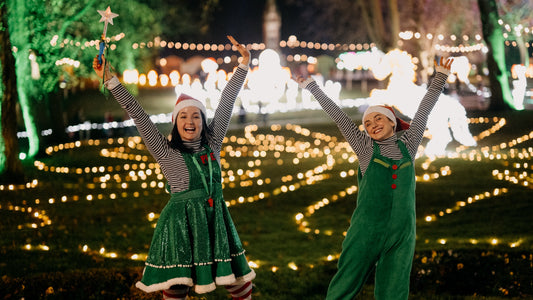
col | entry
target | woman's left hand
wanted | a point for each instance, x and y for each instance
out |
(242, 50)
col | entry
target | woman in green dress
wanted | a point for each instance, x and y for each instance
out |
(195, 243)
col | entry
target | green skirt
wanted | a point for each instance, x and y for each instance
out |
(195, 244)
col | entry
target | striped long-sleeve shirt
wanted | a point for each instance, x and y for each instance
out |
(171, 160)
(362, 144)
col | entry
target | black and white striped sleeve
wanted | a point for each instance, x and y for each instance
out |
(413, 136)
(218, 127)
(359, 141)
(156, 143)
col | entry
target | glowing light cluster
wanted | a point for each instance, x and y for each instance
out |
(40, 219)
(492, 241)
(520, 176)
(262, 146)
(68, 61)
(293, 42)
(303, 224)
(54, 42)
(461, 204)
(479, 46)
(519, 30)
(444, 171)
(499, 123)
(14, 187)
(150, 175)
(158, 43)
(508, 32)
(462, 48)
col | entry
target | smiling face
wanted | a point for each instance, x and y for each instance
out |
(189, 123)
(378, 126)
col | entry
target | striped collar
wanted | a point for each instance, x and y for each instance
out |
(195, 146)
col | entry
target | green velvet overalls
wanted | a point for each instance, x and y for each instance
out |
(195, 241)
(382, 231)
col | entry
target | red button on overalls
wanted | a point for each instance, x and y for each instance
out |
(394, 176)
(393, 186)
(394, 167)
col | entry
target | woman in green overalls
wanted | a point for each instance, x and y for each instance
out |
(381, 235)
(195, 242)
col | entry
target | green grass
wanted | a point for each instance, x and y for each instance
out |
(268, 227)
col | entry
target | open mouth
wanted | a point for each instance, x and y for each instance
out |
(190, 130)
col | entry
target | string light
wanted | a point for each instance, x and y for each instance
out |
(255, 148)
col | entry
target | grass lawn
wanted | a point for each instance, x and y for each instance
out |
(82, 229)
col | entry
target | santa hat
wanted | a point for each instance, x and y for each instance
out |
(185, 100)
(399, 124)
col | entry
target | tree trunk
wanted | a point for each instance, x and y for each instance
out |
(501, 98)
(18, 19)
(394, 23)
(12, 167)
(383, 33)
(367, 18)
(376, 15)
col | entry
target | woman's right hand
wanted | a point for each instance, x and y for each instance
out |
(99, 68)
(242, 50)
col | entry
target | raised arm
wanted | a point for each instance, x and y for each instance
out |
(219, 125)
(156, 143)
(413, 136)
(357, 139)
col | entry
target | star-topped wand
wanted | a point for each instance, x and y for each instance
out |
(107, 17)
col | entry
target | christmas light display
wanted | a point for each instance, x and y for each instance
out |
(333, 160)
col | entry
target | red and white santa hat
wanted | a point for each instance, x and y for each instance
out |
(399, 124)
(185, 100)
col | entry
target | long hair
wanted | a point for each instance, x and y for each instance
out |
(177, 143)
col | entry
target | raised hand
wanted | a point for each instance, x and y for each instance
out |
(302, 81)
(99, 68)
(299, 79)
(245, 53)
(442, 65)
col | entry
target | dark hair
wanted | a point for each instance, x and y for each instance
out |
(177, 143)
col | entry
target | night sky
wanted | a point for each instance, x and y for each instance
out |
(244, 20)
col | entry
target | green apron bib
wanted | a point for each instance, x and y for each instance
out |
(195, 242)
(382, 233)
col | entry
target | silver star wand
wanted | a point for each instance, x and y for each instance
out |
(107, 17)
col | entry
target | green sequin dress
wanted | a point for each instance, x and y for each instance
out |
(195, 242)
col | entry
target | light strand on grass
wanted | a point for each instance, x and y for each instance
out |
(289, 151)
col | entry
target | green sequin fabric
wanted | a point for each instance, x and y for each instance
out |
(195, 242)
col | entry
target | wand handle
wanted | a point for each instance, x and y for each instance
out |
(102, 48)
(101, 52)
(107, 17)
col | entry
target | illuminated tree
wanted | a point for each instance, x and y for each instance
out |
(46, 33)
(517, 18)
(10, 166)
(42, 34)
(498, 75)
(19, 34)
